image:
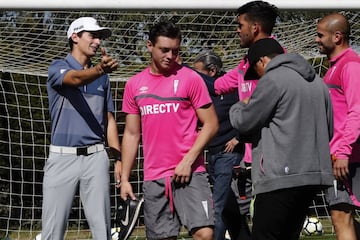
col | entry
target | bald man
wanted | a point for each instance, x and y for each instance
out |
(342, 78)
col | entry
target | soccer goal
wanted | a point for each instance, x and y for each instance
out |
(30, 40)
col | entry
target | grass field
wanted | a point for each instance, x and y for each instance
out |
(142, 237)
(139, 234)
(323, 237)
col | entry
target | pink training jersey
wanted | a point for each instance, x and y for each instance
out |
(236, 79)
(343, 81)
(167, 106)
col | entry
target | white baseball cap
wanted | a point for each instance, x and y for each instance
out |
(87, 24)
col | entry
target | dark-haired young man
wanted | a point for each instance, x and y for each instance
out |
(164, 102)
(80, 104)
(256, 20)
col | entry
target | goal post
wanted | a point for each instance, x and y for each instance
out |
(32, 39)
(176, 5)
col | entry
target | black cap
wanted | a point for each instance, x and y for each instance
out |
(263, 47)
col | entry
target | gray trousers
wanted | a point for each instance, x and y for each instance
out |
(63, 175)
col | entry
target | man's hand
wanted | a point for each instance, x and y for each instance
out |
(341, 168)
(182, 172)
(126, 191)
(107, 64)
(230, 145)
(245, 100)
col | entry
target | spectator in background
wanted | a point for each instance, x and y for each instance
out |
(225, 150)
(164, 102)
(342, 78)
(291, 111)
(80, 104)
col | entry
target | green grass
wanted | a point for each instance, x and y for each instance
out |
(142, 237)
(323, 237)
(139, 234)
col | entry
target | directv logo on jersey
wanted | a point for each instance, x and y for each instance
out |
(246, 87)
(159, 108)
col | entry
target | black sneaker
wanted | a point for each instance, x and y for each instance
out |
(126, 216)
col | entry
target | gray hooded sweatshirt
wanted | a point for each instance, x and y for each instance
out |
(290, 114)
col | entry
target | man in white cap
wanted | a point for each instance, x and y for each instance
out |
(82, 120)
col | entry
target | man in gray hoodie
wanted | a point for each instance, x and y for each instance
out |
(290, 115)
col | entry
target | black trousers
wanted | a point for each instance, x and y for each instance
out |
(236, 223)
(280, 214)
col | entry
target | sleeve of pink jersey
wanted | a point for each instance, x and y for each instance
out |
(350, 84)
(228, 82)
(198, 92)
(129, 104)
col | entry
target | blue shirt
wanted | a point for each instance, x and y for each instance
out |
(68, 127)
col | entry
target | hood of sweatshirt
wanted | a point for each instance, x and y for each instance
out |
(295, 62)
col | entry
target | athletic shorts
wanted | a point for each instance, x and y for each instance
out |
(169, 205)
(346, 193)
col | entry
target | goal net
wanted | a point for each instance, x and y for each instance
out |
(30, 40)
